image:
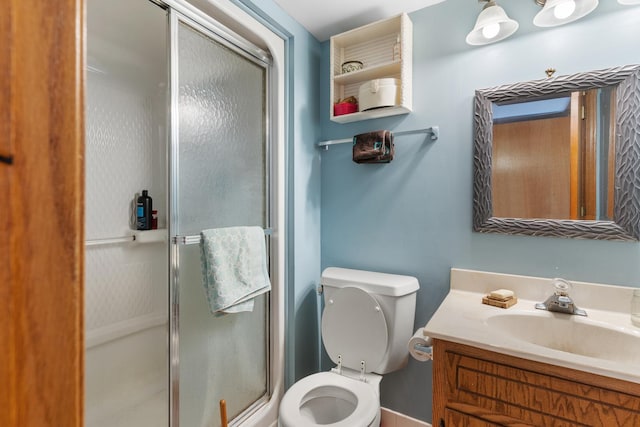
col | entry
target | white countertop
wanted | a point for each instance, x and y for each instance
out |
(462, 318)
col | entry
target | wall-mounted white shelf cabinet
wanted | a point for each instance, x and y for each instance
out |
(373, 45)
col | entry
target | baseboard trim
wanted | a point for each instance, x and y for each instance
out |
(389, 418)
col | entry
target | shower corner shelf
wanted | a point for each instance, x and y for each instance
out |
(136, 236)
(151, 236)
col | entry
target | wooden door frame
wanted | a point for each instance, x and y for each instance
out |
(590, 154)
(42, 213)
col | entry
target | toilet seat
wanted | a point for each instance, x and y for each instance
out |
(329, 384)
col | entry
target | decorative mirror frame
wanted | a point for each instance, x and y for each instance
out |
(626, 217)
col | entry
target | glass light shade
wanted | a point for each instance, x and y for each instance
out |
(564, 10)
(492, 25)
(629, 2)
(556, 12)
(491, 30)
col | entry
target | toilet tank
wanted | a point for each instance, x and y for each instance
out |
(396, 295)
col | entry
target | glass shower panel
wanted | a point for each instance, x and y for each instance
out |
(221, 181)
(222, 150)
(220, 357)
(126, 283)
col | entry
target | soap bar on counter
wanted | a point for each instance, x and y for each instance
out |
(501, 294)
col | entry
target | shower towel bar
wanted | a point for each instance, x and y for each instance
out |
(110, 240)
(433, 131)
(194, 239)
(137, 236)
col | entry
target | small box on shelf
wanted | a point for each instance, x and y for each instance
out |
(346, 106)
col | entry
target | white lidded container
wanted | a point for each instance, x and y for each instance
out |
(378, 93)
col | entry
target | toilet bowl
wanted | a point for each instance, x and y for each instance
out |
(330, 399)
(366, 323)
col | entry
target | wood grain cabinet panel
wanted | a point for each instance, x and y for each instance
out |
(456, 418)
(474, 387)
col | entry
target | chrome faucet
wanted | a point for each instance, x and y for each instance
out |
(560, 301)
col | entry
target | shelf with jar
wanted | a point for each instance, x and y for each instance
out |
(373, 65)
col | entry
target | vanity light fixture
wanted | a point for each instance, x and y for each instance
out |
(492, 25)
(558, 12)
(629, 2)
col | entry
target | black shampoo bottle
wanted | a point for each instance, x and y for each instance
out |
(143, 211)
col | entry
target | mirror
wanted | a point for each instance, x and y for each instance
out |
(558, 157)
(553, 158)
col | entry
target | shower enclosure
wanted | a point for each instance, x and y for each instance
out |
(180, 106)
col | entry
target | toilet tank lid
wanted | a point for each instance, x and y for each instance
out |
(377, 283)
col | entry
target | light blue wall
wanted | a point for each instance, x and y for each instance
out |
(413, 216)
(303, 187)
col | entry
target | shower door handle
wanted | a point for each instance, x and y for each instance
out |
(194, 239)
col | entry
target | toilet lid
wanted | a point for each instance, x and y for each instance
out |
(353, 325)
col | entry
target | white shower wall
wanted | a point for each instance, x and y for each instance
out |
(126, 283)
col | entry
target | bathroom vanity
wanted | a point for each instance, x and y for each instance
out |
(527, 367)
(473, 387)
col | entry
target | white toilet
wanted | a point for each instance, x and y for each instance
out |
(366, 324)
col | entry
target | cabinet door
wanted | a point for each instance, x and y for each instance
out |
(454, 418)
(494, 388)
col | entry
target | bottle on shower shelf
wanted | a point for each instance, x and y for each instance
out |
(144, 206)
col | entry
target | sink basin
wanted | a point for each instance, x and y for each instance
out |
(570, 334)
(604, 343)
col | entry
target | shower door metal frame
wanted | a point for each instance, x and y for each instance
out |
(180, 12)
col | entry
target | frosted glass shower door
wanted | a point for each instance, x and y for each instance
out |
(219, 179)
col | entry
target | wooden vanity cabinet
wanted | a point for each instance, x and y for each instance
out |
(479, 388)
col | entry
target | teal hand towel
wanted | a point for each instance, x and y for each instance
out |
(234, 268)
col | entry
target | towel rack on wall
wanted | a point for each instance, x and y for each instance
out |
(138, 236)
(433, 132)
(194, 239)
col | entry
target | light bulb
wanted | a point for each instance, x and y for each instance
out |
(564, 10)
(490, 31)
